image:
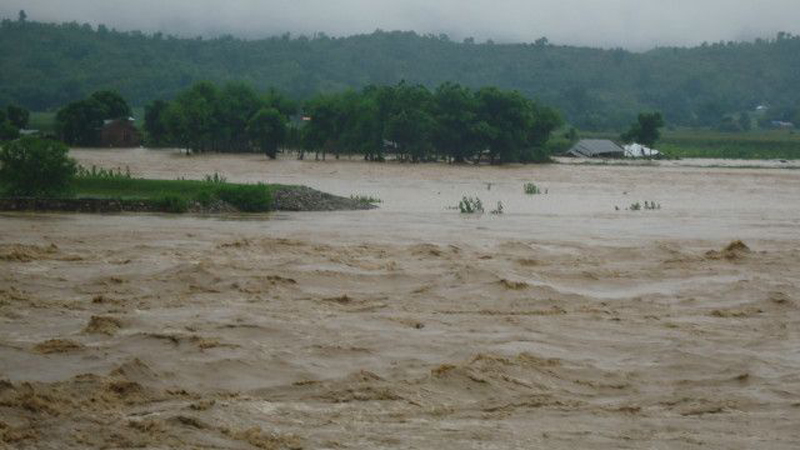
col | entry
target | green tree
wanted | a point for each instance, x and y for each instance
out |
(267, 129)
(112, 104)
(154, 126)
(8, 131)
(18, 116)
(646, 130)
(455, 111)
(36, 167)
(79, 122)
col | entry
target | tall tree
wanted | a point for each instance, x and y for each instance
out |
(646, 130)
(267, 129)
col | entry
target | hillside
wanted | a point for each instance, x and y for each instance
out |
(43, 66)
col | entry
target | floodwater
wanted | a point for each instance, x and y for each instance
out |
(566, 322)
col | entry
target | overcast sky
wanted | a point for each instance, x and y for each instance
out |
(634, 24)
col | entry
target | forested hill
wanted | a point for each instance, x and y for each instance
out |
(44, 66)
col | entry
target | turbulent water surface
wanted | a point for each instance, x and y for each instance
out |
(567, 322)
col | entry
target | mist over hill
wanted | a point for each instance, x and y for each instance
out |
(44, 65)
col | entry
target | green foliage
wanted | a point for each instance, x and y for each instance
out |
(595, 88)
(647, 206)
(452, 123)
(18, 116)
(232, 119)
(35, 167)
(245, 197)
(646, 129)
(532, 189)
(102, 173)
(79, 122)
(171, 203)
(498, 209)
(8, 131)
(267, 129)
(470, 205)
(366, 199)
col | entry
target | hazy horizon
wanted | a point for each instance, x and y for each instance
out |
(635, 25)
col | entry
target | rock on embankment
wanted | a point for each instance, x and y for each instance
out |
(302, 198)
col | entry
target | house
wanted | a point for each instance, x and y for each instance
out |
(596, 148)
(640, 151)
(120, 133)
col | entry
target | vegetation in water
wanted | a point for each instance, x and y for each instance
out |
(647, 206)
(498, 209)
(411, 122)
(532, 189)
(366, 199)
(470, 205)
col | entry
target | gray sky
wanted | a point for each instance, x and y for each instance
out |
(634, 24)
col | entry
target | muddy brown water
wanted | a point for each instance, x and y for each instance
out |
(562, 323)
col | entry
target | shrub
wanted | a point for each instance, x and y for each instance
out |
(469, 205)
(532, 189)
(246, 197)
(172, 203)
(36, 167)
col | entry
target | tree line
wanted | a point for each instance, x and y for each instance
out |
(408, 121)
(47, 65)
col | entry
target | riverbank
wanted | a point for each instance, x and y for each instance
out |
(120, 194)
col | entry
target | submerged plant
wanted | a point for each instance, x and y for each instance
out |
(532, 189)
(366, 199)
(499, 209)
(647, 205)
(469, 205)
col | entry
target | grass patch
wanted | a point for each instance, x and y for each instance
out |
(176, 195)
(368, 199)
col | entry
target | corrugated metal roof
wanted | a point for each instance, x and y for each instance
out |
(592, 148)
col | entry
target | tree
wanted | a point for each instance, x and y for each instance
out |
(78, 122)
(154, 126)
(114, 106)
(455, 132)
(267, 129)
(36, 167)
(646, 130)
(23, 16)
(18, 116)
(8, 131)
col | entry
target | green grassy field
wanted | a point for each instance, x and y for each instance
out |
(761, 144)
(177, 195)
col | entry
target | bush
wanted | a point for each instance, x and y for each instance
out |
(36, 167)
(246, 197)
(172, 203)
(469, 205)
